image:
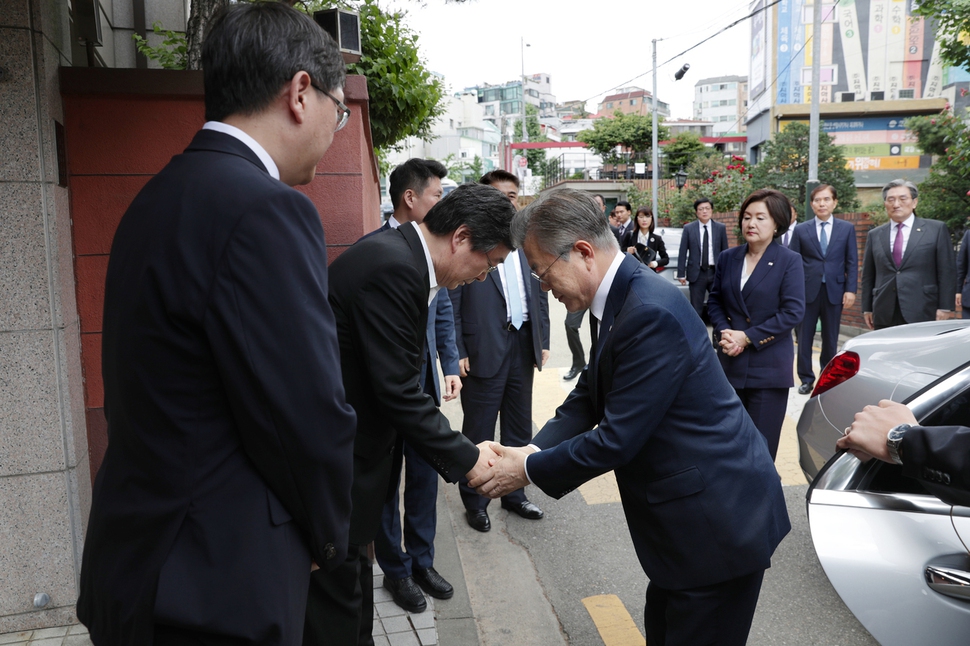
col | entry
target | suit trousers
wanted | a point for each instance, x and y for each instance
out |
(175, 636)
(766, 407)
(341, 603)
(420, 520)
(699, 289)
(713, 615)
(574, 320)
(830, 316)
(506, 395)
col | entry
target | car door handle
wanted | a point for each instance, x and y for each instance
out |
(948, 581)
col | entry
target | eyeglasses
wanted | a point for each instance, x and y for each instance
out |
(541, 278)
(343, 112)
(822, 200)
(491, 267)
(900, 200)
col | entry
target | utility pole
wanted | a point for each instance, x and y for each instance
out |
(654, 146)
(525, 133)
(813, 123)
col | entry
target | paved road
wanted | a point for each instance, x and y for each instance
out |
(573, 577)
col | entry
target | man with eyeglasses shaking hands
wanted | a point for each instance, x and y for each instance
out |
(502, 333)
(909, 269)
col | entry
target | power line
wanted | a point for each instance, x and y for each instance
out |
(721, 31)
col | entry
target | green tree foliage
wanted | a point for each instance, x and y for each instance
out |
(171, 54)
(953, 28)
(536, 156)
(943, 195)
(462, 170)
(727, 183)
(682, 150)
(631, 131)
(785, 167)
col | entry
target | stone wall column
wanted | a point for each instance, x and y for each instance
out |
(44, 468)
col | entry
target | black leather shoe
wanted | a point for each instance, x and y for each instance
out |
(434, 584)
(406, 593)
(572, 374)
(478, 519)
(525, 509)
(805, 389)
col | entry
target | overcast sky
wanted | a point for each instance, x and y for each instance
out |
(588, 48)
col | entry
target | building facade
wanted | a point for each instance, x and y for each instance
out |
(879, 65)
(722, 100)
(631, 100)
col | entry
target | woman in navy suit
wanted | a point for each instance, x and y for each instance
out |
(757, 298)
(644, 244)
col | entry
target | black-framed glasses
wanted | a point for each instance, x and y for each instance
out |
(343, 112)
(491, 266)
(542, 277)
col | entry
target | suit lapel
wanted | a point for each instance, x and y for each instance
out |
(614, 304)
(764, 267)
(495, 280)
(417, 250)
(523, 264)
(915, 236)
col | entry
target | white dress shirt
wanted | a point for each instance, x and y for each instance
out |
(233, 131)
(710, 243)
(427, 256)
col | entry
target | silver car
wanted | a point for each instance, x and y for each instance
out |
(894, 552)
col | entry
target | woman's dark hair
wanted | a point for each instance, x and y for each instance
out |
(779, 208)
(487, 213)
(253, 49)
(645, 211)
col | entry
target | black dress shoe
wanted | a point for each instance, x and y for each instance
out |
(434, 584)
(805, 389)
(478, 519)
(572, 374)
(525, 509)
(406, 593)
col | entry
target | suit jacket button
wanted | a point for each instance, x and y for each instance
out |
(946, 478)
(748, 320)
(329, 551)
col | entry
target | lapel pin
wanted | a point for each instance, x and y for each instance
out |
(771, 264)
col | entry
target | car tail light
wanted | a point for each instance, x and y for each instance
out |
(842, 367)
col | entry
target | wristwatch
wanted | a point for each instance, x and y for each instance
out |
(894, 441)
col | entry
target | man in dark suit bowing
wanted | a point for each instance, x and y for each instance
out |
(908, 270)
(380, 290)
(701, 495)
(701, 243)
(502, 329)
(830, 258)
(415, 187)
(229, 460)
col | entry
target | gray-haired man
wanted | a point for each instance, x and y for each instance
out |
(909, 269)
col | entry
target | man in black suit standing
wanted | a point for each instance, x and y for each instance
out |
(380, 290)
(229, 460)
(502, 329)
(830, 258)
(624, 226)
(963, 276)
(701, 495)
(702, 242)
(908, 270)
(415, 187)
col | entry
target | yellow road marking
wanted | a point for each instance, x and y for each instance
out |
(612, 620)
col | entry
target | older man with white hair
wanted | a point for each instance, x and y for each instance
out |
(909, 269)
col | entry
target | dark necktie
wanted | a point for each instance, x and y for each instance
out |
(898, 245)
(591, 375)
(824, 243)
(705, 248)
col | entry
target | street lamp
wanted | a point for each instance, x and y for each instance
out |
(681, 178)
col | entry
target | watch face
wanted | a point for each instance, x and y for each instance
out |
(897, 433)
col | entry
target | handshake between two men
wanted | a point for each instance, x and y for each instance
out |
(500, 470)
